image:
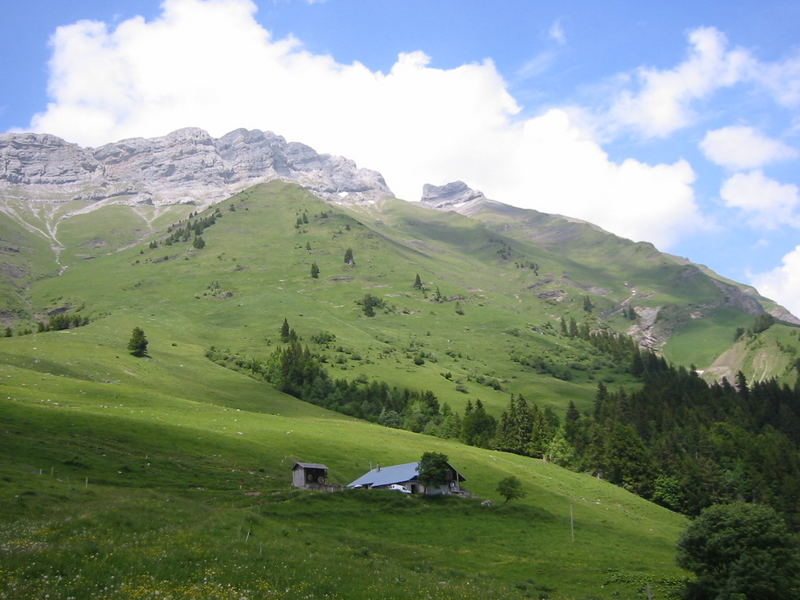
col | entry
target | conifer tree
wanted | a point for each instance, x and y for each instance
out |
(348, 257)
(314, 271)
(417, 283)
(285, 331)
(137, 345)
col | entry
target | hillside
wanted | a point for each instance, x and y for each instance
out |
(465, 308)
(133, 448)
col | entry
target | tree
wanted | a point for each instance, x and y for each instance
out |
(287, 334)
(199, 242)
(433, 469)
(137, 345)
(510, 488)
(417, 283)
(478, 427)
(314, 271)
(348, 257)
(740, 551)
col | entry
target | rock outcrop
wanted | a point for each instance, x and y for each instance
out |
(449, 196)
(187, 165)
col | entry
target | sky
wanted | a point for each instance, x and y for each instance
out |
(676, 123)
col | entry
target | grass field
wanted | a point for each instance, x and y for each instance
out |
(168, 476)
(125, 477)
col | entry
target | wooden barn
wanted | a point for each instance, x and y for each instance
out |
(309, 475)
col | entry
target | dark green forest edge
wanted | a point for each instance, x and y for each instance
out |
(676, 440)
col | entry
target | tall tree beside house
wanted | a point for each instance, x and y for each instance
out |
(433, 469)
(137, 345)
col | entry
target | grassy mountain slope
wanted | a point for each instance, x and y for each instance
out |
(168, 473)
(771, 353)
(685, 310)
(123, 476)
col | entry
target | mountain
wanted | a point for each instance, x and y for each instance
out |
(54, 190)
(186, 166)
(404, 317)
(682, 309)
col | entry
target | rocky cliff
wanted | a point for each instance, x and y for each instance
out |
(450, 196)
(185, 166)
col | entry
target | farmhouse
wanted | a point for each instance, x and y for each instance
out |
(404, 478)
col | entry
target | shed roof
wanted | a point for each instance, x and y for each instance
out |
(395, 474)
(305, 465)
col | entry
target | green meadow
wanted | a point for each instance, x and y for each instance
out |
(168, 476)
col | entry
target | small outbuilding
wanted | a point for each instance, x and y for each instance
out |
(309, 475)
(405, 478)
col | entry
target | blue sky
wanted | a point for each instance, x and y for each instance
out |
(677, 123)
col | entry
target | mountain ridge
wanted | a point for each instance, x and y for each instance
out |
(185, 166)
(47, 183)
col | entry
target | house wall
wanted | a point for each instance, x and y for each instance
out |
(298, 478)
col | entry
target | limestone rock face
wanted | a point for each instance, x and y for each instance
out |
(187, 165)
(449, 196)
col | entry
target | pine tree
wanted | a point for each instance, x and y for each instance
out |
(417, 283)
(285, 331)
(348, 257)
(137, 345)
(314, 271)
(199, 242)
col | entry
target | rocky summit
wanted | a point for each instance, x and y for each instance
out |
(186, 166)
(449, 196)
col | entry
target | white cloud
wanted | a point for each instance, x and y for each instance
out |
(782, 80)
(767, 203)
(557, 34)
(210, 64)
(537, 65)
(782, 283)
(739, 147)
(663, 101)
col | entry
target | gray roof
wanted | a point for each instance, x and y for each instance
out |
(387, 475)
(379, 477)
(304, 465)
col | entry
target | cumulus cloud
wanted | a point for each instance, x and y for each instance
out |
(210, 64)
(782, 282)
(740, 147)
(662, 100)
(766, 202)
(657, 102)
